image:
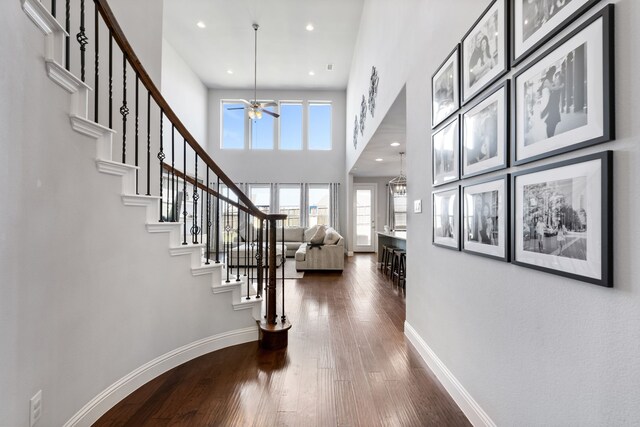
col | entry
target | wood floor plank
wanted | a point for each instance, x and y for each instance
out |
(347, 363)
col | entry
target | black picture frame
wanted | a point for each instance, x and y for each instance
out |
(454, 58)
(597, 201)
(436, 178)
(504, 132)
(599, 117)
(467, 95)
(501, 250)
(553, 29)
(442, 241)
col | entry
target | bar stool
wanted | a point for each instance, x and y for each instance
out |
(388, 266)
(387, 253)
(399, 264)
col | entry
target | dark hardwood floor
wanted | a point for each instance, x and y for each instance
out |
(347, 363)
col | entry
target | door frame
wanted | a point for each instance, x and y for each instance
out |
(374, 212)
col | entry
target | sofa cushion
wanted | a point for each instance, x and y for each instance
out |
(301, 253)
(292, 234)
(309, 232)
(331, 237)
(292, 246)
(318, 237)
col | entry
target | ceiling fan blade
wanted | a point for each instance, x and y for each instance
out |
(271, 113)
(235, 108)
(268, 104)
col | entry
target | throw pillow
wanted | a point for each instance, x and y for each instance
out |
(309, 232)
(331, 237)
(318, 238)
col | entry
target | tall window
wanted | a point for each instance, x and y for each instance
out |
(319, 132)
(318, 205)
(400, 211)
(289, 204)
(260, 195)
(262, 132)
(290, 126)
(233, 116)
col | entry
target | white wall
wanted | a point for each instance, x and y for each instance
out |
(86, 294)
(531, 348)
(184, 92)
(283, 166)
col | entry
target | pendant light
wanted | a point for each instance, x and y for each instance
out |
(398, 185)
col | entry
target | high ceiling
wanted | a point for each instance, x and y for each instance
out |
(287, 52)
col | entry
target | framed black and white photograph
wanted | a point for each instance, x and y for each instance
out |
(445, 89)
(563, 101)
(485, 218)
(445, 152)
(562, 218)
(485, 132)
(446, 218)
(484, 50)
(534, 22)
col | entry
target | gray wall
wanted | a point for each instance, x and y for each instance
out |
(531, 348)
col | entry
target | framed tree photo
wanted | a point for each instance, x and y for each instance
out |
(445, 153)
(484, 50)
(446, 218)
(485, 132)
(564, 100)
(563, 218)
(445, 89)
(485, 218)
(534, 22)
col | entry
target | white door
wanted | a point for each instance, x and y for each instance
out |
(364, 203)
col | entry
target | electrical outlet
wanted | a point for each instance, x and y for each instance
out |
(35, 408)
(417, 206)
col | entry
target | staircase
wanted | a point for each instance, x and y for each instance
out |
(217, 219)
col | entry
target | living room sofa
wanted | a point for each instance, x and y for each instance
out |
(328, 255)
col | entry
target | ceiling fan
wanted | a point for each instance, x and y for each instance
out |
(253, 107)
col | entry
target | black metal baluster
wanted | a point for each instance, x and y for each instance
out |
(82, 38)
(247, 243)
(227, 239)
(283, 318)
(184, 192)
(201, 216)
(53, 8)
(110, 80)
(167, 214)
(137, 129)
(96, 86)
(266, 259)
(259, 257)
(196, 196)
(218, 222)
(208, 221)
(67, 42)
(238, 247)
(124, 110)
(148, 143)
(161, 157)
(173, 165)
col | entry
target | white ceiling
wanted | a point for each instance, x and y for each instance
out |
(392, 128)
(286, 50)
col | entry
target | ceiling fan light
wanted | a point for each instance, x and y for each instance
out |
(258, 114)
(252, 113)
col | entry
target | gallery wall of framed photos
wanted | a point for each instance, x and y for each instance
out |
(516, 90)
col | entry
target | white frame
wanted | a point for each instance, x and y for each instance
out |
(274, 132)
(307, 128)
(302, 124)
(246, 125)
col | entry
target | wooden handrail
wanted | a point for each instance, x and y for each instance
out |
(134, 61)
(203, 187)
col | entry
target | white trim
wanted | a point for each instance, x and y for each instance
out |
(113, 394)
(476, 415)
(40, 16)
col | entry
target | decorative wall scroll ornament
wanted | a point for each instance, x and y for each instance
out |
(355, 132)
(373, 90)
(363, 114)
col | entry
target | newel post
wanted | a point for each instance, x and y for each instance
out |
(273, 334)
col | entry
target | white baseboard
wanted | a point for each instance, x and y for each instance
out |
(460, 395)
(108, 398)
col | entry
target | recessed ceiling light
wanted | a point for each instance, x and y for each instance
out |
(309, 27)
(378, 160)
(395, 144)
(311, 73)
(229, 71)
(201, 24)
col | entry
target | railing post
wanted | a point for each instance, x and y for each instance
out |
(273, 335)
